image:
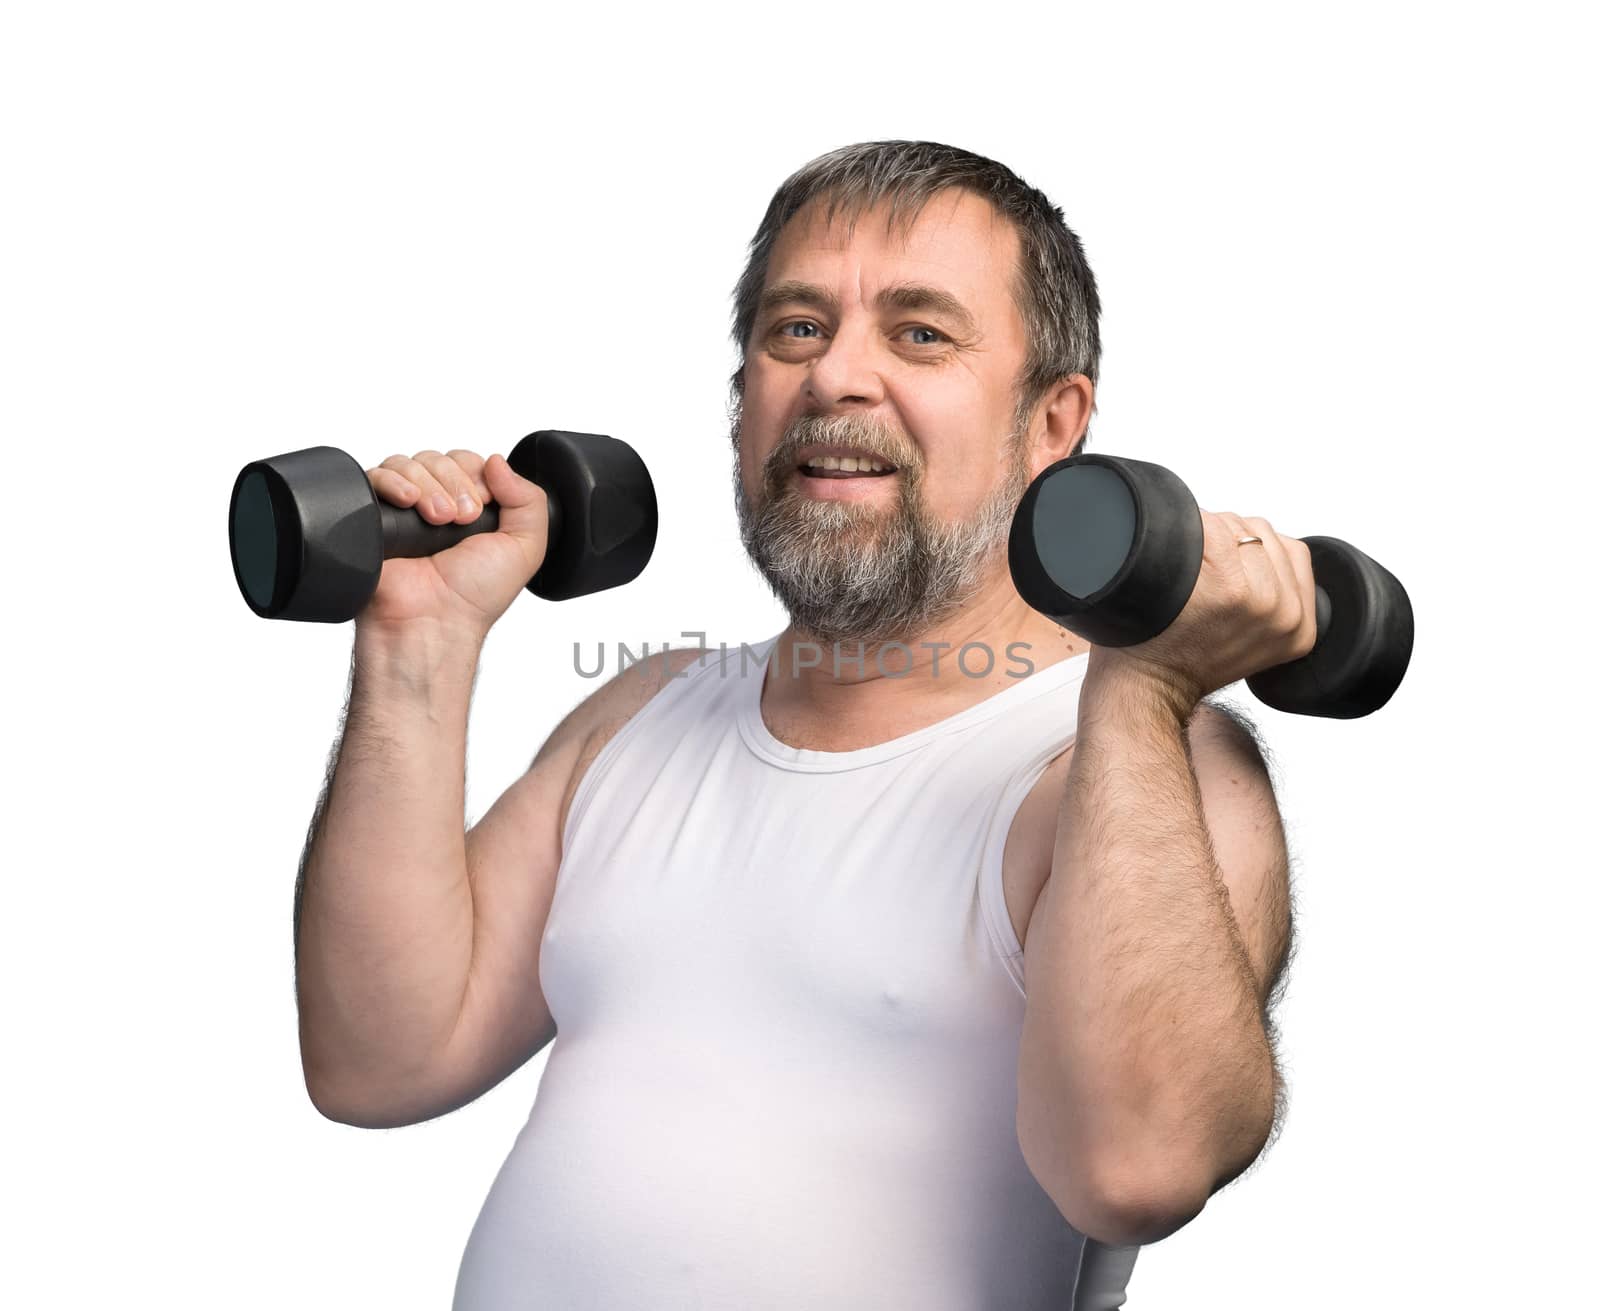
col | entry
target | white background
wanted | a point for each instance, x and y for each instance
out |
(1347, 256)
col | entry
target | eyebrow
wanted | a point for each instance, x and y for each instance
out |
(901, 295)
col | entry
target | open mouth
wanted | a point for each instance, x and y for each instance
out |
(831, 466)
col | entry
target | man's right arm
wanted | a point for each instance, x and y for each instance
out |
(417, 944)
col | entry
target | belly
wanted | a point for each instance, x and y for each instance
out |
(670, 1183)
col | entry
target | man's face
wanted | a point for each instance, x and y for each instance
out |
(844, 366)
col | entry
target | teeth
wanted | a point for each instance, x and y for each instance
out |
(847, 464)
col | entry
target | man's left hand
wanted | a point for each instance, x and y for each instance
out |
(1253, 607)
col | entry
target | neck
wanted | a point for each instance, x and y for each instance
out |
(873, 692)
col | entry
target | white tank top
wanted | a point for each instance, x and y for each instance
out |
(789, 1001)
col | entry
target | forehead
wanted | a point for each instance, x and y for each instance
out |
(958, 242)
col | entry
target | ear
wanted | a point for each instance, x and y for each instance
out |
(1066, 409)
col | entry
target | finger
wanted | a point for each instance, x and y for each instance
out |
(465, 503)
(524, 512)
(1305, 581)
(433, 504)
(393, 487)
(1221, 535)
(508, 486)
(471, 464)
(1247, 574)
(1286, 607)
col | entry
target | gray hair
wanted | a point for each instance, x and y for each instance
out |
(1053, 287)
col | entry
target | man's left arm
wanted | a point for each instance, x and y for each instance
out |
(1147, 1078)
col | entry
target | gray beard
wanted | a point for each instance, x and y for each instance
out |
(849, 572)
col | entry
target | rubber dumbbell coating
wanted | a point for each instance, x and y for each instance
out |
(1107, 547)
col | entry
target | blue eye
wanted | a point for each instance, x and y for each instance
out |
(806, 323)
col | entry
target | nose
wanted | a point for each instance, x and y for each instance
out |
(847, 372)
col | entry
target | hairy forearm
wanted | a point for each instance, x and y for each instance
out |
(383, 930)
(1143, 1059)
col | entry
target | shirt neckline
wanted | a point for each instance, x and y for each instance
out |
(759, 738)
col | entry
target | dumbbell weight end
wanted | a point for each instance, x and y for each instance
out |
(1365, 630)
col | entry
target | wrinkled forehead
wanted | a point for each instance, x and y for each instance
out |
(955, 236)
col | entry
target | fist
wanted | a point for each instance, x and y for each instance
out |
(1253, 607)
(468, 586)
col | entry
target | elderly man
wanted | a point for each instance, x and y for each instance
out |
(919, 956)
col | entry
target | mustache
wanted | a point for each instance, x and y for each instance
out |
(875, 440)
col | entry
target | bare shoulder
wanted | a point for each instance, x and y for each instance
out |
(604, 712)
(615, 702)
(1217, 733)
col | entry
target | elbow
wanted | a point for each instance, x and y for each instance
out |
(352, 1117)
(329, 1104)
(1117, 1202)
(1126, 1207)
(341, 1108)
(396, 1105)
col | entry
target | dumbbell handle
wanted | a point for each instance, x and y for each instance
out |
(408, 536)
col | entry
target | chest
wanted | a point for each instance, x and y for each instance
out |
(848, 905)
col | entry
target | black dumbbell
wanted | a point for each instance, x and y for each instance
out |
(1111, 549)
(309, 535)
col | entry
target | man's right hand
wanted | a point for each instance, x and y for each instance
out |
(467, 587)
